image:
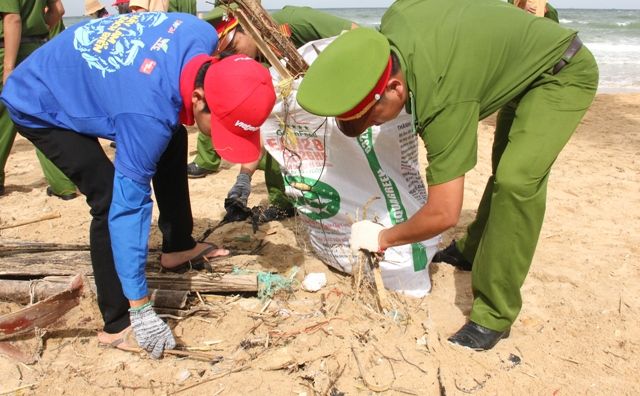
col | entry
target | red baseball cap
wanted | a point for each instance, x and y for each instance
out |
(120, 2)
(240, 95)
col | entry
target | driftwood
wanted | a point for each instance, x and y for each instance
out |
(196, 282)
(204, 283)
(28, 292)
(270, 41)
(65, 263)
(9, 248)
(41, 314)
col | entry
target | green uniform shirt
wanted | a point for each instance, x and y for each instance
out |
(186, 6)
(32, 14)
(307, 24)
(461, 66)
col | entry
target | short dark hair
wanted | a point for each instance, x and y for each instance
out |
(395, 63)
(200, 82)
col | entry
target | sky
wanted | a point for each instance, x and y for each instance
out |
(76, 7)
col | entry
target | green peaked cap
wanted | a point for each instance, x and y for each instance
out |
(344, 73)
(215, 16)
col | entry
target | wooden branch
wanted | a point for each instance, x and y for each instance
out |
(48, 216)
(271, 42)
(374, 264)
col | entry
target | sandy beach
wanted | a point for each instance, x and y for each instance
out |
(578, 332)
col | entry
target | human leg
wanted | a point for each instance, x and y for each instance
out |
(545, 119)
(82, 159)
(7, 136)
(275, 183)
(60, 185)
(468, 244)
(207, 159)
(171, 189)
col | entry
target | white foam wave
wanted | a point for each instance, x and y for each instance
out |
(615, 48)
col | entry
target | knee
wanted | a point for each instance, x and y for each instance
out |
(517, 183)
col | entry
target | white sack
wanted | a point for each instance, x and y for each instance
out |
(346, 173)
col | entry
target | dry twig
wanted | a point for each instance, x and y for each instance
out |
(371, 387)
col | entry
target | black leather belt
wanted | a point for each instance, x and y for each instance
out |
(28, 40)
(573, 49)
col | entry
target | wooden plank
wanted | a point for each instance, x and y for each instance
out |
(61, 263)
(197, 282)
(28, 292)
(42, 314)
(205, 283)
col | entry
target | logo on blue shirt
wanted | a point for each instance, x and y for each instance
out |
(108, 44)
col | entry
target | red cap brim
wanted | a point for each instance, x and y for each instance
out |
(232, 147)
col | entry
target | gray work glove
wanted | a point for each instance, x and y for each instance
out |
(241, 190)
(151, 332)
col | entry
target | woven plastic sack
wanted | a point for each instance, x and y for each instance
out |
(333, 180)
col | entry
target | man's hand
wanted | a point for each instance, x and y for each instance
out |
(151, 332)
(365, 236)
(241, 190)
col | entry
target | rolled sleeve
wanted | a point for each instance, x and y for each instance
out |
(451, 142)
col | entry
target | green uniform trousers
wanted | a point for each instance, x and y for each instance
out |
(59, 183)
(208, 158)
(531, 131)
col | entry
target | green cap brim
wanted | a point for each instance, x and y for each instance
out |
(344, 73)
(214, 16)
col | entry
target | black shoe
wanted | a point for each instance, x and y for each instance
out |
(195, 172)
(64, 197)
(477, 337)
(452, 255)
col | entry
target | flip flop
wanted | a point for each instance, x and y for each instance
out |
(126, 342)
(197, 263)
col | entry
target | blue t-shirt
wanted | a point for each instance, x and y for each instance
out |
(116, 78)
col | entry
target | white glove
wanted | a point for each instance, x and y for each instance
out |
(152, 333)
(364, 236)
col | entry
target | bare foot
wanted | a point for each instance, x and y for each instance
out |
(174, 259)
(124, 340)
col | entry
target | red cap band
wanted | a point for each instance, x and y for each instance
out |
(372, 97)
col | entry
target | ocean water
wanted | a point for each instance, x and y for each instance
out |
(612, 35)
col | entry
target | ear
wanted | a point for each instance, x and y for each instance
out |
(397, 87)
(197, 97)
